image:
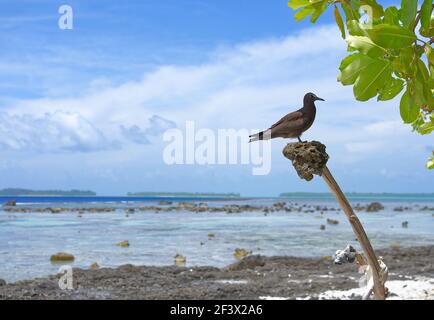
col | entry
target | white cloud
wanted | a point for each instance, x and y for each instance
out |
(157, 125)
(57, 131)
(387, 128)
(365, 147)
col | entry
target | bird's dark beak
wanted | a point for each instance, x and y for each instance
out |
(318, 98)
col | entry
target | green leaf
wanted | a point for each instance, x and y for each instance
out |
(297, 4)
(351, 11)
(339, 21)
(426, 128)
(391, 89)
(425, 13)
(366, 46)
(408, 13)
(391, 16)
(423, 73)
(349, 59)
(416, 90)
(403, 64)
(303, 13)
(408, 109)
(429, 51)
(391, 36)
(371, 80)
(352, 66)
(320, 7)
(377, 10)
(430, 163)
(428, 32)
(355, 28)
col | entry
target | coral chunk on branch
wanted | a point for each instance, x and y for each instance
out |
(308, 158)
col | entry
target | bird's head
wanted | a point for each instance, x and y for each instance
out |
(311, 97)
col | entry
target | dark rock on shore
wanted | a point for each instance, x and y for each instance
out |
(249, 262)
(240, 254)
(165, 203)
(180, 260)
(62, 257)
(332, 221)
(10, 203)
(374, 207)
(123, 244)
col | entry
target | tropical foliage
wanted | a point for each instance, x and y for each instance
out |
(391, 53)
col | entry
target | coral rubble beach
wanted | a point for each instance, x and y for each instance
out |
(201, 207)
(254, 277)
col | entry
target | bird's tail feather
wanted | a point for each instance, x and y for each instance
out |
(263, 135)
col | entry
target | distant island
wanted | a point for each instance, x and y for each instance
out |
(29, 192)
(183, 194)
(356, 195)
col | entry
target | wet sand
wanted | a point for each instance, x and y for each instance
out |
(254, 277)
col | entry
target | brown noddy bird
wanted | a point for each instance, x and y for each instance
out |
(293, 124)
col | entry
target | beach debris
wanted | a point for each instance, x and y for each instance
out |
(241, 253)
(332, 221)
(55, 210)
(348, 255)
(322, 227)
(211, 235)
(10, 203)
(374, 207)
(123, 244)
(180, 260)
(405, 224)
(62, 257)
(367, 279)
(94, 266)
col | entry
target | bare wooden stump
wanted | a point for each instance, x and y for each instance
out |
(310, 158)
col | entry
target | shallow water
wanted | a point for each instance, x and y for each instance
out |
(28, 239)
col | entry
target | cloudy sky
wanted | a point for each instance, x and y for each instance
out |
(86, 108)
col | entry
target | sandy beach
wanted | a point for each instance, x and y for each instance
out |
(255, 277)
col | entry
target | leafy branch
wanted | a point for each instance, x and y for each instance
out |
(385, 59)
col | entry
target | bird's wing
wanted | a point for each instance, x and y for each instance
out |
(290, 117)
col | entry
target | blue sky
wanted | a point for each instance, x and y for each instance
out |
(85, 108)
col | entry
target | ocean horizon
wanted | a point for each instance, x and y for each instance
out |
(294, 196)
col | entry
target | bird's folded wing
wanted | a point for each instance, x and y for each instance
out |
(291, 128)
(290, 117)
